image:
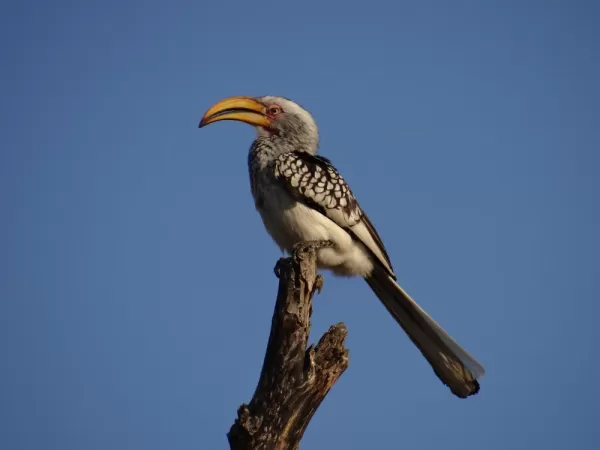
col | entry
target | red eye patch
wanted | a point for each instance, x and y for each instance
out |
(273, 110)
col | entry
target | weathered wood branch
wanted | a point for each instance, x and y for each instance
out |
(294, 379)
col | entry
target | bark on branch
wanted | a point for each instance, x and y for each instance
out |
(294, 379)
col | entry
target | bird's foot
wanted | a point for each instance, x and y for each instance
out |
(303, 246)
(319, 280)
(300, 251)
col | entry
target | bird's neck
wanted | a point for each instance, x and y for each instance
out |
(266, 148)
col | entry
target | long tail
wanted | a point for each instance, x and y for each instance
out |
(452, 364)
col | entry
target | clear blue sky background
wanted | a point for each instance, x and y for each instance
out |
(136, 285)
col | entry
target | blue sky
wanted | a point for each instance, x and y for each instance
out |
(136, 285)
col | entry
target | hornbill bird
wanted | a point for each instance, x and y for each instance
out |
(302, 198)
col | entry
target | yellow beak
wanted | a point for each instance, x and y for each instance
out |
(244, 109)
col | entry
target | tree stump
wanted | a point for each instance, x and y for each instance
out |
(294, 379)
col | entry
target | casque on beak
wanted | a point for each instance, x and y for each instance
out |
(243, 109)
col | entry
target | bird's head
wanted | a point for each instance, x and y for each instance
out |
(275, 118)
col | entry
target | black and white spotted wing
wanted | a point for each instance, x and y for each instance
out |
(314, 181)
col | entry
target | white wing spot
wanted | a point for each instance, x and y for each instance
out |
(319, 198)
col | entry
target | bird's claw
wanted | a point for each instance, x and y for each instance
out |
(277, 268)
(318, 286)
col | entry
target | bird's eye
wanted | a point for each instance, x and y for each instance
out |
(273, 110)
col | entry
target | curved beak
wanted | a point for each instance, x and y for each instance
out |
(243, 109)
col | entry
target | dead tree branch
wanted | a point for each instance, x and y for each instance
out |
(294, 379)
